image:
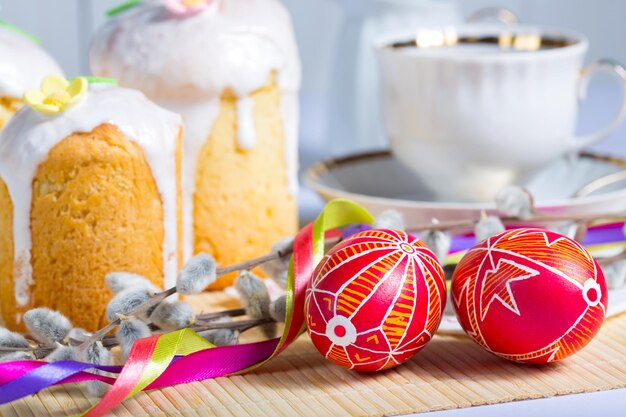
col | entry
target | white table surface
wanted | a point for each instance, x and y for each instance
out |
(605, 403)
(602, 102)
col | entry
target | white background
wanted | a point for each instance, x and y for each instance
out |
(65, 26)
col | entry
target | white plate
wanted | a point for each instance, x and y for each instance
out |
(378, 181)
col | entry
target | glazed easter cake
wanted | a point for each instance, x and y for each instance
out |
(88, 185)
(231, 68)
(23, 64)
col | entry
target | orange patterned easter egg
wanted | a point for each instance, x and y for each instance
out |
(530, 295)
(375, 300)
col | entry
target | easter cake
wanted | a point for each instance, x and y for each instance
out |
(231, 69)
(88, 185)
(23, 64)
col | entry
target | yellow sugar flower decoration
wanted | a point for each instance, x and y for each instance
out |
(57, 94)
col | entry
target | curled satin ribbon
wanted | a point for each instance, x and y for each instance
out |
(183, 356)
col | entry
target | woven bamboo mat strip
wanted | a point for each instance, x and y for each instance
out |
(451, 372)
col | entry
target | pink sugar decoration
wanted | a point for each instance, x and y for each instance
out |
(182, 8)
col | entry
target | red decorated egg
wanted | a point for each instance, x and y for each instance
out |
(375, 300)
(530, 295)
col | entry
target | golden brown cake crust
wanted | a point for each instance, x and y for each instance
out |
(7, 299)
(8, 107)
(242, 204)
(96, 209)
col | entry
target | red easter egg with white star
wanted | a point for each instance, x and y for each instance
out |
(530, 295)
(374, 300)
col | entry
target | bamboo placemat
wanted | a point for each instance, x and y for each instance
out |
(451, 372)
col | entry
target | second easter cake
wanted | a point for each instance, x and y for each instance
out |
(231, 69)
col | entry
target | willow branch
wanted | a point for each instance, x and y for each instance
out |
(539, 218)
(110, 341)
(159, 297)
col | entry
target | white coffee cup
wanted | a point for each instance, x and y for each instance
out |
(471, 117)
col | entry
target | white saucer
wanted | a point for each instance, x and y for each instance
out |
(378, 181)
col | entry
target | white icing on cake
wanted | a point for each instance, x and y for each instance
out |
(245, 123)
(203, 113)
(23, 64)
(185, 64)
(29, 137)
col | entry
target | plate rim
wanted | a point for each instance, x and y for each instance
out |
(319, 168)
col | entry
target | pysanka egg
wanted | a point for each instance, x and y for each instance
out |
(530, 295)
(375, 300)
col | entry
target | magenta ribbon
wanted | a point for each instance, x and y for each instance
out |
(22, 378)
(228, 360)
